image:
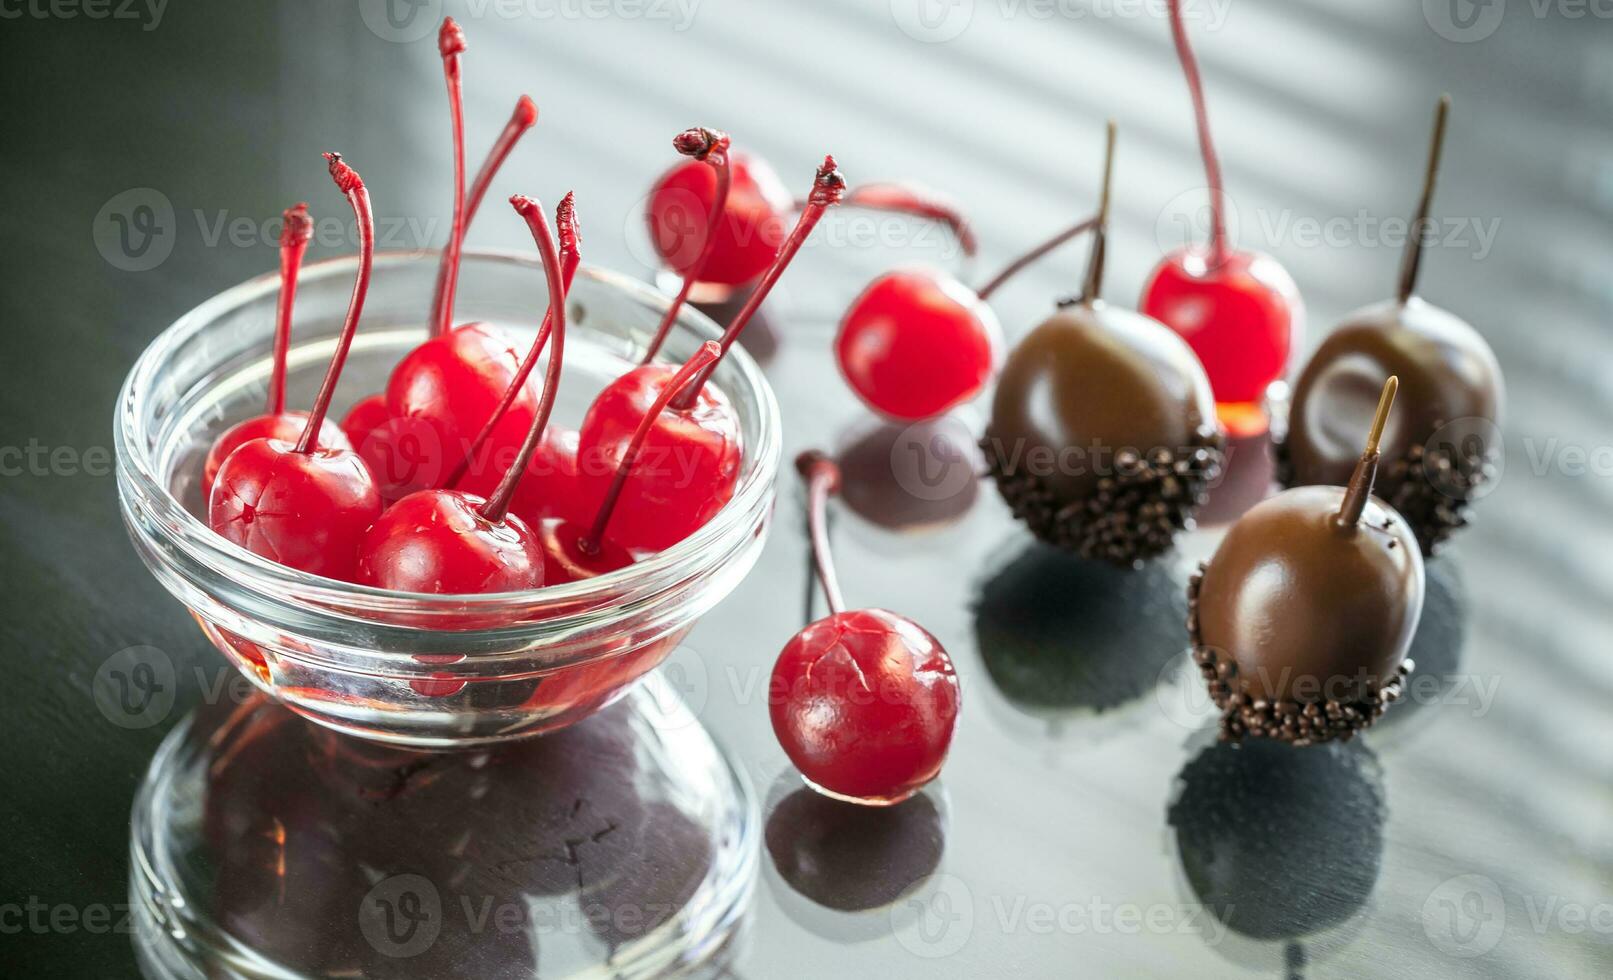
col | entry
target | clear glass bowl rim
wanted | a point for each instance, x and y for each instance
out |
(711, 545)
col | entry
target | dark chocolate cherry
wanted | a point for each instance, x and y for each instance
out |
(1301, 620)
(863, 701)
(1103, 432)
(1439, 448)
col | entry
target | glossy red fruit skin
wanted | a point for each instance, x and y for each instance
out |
(917, 343)
(287, 427)
(366, 415)
(436, 542)
(442, 393)
(552, 487)
(864, 703)
(1242, 317)
(686, 471)
(564, 560)
(307, 511)
(753, 225)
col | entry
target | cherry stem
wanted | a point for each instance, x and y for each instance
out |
(352, 185)
(570, 259)
(1201, 119)
(451, 44)
(521, 120)
(920, 202)
(498, 505)
(1100, 237)
(1015, 267)
(828, 184)
(822, 477)
(1414, 245)
(295, 230)
(709, 146)
(707, 355)
(1366, 471)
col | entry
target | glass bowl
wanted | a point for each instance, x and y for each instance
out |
(420, 670)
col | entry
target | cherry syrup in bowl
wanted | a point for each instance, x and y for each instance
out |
(432, 671)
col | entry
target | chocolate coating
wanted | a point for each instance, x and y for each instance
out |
(1103, 432)
(1300, 624)
(1447, 373)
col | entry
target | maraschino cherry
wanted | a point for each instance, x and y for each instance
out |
(751, 232)
(692, 452)
(709, 146)
(917, 343)
(864, 702)
(275, 422)
(454, 542)
(1239, 311)
(299, 504)
(575, 551)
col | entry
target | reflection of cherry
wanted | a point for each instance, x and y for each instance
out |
(864, 702)
(1239, 311)
(298, 504)
(692, 452)
(752, 229)
(455, 542)
(854, 858)
(275, 422)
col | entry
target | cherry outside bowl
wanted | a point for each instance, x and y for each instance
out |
(419, 670)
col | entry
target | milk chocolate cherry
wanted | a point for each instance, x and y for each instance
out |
(299, 504)
(863, 701)
(1301, 620)
(1239, 311)
(1449, 377)
(296, 229)
(1103, 433)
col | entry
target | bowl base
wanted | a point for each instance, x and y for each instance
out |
(266, 846)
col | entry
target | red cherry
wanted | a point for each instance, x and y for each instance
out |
(297, 504)
(276, 423)
(1239, 311)
(863, 702)
(708, 146)
(566, 554)
(367, 415)
(552, 487)
(748, 239)
(1239, 315)
(455, 542)
(917, 343)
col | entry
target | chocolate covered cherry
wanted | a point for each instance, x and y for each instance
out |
(1440, 447)
(1301, 620)
(1103, 433)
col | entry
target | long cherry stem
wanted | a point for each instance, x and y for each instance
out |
(296, 229)
(1414, 245)
(352, 185)
(1201, 119)
(920, 202)
(570, 257)
(822, 477)
(498, 505)
(451, 44)
(1018, 265)
(1366, 471)
(521, 120)
(711, 147)
(1093, 286)
(705, 356)
(828, 184)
